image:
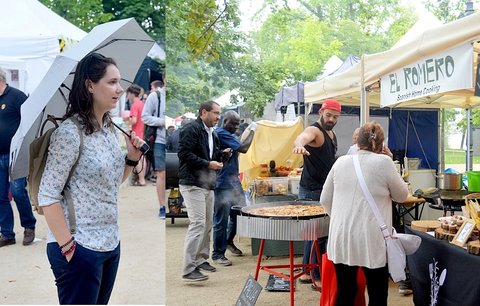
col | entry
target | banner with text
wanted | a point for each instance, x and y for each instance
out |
(447, 71)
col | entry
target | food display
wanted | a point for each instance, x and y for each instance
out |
(282, 171)
(288, 211)
(271, 186)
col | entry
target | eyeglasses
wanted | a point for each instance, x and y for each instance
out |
(215, 113)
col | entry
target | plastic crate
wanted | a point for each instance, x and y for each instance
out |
(271, 186)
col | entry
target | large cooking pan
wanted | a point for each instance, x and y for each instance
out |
(247, 210)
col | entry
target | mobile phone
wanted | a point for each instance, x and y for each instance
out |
(144, 148)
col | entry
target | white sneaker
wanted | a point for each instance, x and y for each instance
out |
(224, 261)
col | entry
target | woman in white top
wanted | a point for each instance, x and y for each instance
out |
(85, 265)
(355, 239)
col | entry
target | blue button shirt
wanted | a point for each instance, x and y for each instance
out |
(227, 177)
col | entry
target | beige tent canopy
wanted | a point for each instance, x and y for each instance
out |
(347, 86)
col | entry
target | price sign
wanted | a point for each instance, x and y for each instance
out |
(250, 293)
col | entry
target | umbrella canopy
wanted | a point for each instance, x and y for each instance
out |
(123, 40)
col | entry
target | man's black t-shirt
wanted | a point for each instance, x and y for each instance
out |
(317, 165)
(10, 102)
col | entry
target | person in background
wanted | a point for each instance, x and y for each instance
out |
(135, 121)
(228, 190)
(153, 117)
(170, 130)
(354, 147)
(318, 145)
(11, 99)
(355, 238)
(241, 128)
(172, 141)
(85, 264)
(199, 157)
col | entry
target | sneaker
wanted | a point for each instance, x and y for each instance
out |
(405, 288)
(28, 236)
(224, 261)
(195, 276)
(234, 250)
(5, 241)
(207, 267)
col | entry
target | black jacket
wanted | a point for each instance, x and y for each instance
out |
(194, 156)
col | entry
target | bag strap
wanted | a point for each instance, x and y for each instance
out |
(67, 194)
(159, 102)
(369, 197)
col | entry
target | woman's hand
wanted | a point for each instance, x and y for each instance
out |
(134, 143)
(386, 151)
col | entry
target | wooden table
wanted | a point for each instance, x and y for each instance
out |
(412, 206)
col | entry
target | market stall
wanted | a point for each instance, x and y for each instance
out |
(443, 273)
(269, 163)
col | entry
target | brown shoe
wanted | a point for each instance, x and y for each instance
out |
(5, 241)
(28, 236)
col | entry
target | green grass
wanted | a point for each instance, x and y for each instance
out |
(453, 156)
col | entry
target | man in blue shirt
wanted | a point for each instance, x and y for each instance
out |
(11, 99)
(228, 190)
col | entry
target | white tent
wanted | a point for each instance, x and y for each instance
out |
(347, 86)
(31, 35)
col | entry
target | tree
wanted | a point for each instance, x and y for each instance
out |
(445, 10)
(85, 14)
(203, 43)
(150, 14)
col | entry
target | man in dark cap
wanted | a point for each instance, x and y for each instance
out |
(318, 144)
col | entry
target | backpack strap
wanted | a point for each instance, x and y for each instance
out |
(159, 102)
(67, 194)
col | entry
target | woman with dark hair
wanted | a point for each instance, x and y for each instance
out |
(355, 239)
(85, 265)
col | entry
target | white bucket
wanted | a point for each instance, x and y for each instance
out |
(294, 184)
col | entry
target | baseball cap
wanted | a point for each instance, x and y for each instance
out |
(331, 104)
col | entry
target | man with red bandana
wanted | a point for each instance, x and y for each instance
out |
(318, 145)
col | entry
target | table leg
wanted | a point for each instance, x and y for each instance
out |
(259, 259)
(292, 276)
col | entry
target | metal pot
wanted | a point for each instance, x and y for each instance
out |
(449, 181)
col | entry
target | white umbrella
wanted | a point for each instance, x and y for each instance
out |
(123, 40)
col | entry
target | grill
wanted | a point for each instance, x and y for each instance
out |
(289, 228)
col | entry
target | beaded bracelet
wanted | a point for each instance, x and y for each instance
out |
(71, 249)
(66, 243)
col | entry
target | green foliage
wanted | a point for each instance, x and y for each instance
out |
(85, 14)
(453, 156)
(203, 42)
(445, 10)
(150, 14)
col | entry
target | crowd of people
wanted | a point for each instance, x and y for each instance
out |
(208, 181)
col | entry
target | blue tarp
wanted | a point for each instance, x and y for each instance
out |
(417, 131)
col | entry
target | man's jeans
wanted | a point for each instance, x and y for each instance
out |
(223, 230)
(20, 195)
(309, 250)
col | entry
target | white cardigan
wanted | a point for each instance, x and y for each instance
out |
(355, 238)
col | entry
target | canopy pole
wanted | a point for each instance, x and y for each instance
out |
(469, 149)
(364, 107)
(441, 140)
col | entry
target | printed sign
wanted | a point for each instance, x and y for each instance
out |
(477, 82)
(250, 293)
(447, 71)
